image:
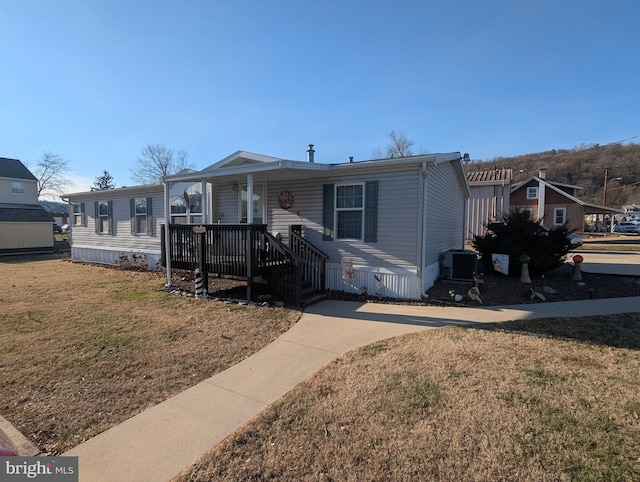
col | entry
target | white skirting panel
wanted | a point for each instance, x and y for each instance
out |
(431, 275)
(104, 255)
(380, 282)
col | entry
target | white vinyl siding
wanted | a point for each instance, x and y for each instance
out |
(397, 218)
(444, 210)
(86, 243)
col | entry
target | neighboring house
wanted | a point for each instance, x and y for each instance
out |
(25, 226)
(384, 224)
(555, 204)
(489, 198)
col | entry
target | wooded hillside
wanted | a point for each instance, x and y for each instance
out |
(585, 166)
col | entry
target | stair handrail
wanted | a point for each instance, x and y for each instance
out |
(288, 281)
(314, 259)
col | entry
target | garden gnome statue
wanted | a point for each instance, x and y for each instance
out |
(576, 274)
(524, 273)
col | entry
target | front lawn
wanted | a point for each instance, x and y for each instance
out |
(84, 347)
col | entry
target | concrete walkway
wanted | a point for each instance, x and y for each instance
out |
(161, 441)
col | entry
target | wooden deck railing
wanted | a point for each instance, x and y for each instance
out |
(313, 259)
(282, 269)
(243, 251)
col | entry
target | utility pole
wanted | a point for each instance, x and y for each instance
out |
(604, 196)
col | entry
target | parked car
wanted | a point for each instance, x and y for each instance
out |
(575, 239)
(626, 227)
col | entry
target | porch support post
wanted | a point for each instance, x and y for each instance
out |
(167, 234)
(206, 209)
(249, 238)
(249, 198)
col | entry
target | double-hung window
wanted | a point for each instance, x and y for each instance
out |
(349, 211)
(78, 214)
(17, 188)
(141, 216)
(532, 192)
(104, 216)
(559, 215)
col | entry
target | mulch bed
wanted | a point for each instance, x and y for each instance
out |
(498, 289)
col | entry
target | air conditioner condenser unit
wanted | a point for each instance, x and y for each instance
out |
(459, 265)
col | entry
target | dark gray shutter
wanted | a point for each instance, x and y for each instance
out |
(327, 212)
(97, 214)
(371, 212)
(132, 211)
(82, 215)
(149, 218)
(110, 215)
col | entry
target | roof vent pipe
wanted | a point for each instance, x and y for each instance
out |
(350, 159)
(543, 173)
(310, 152)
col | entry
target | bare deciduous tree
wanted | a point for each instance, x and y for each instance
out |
(157, 161)
(400, 146)
(51, 170)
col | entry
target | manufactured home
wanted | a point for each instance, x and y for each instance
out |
(376, 226)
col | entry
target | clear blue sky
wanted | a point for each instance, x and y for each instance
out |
(98, 80)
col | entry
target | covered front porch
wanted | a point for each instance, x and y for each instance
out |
(251, 240)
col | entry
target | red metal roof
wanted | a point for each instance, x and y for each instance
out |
(487, 176)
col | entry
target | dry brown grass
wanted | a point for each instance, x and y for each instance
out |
(84, 347)
(523, 401)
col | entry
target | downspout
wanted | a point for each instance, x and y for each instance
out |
(167, 234)
(70, 221)
(465, 208)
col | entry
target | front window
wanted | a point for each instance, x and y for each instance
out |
(183, 213)
(104, 217)
(559, 215)
(78, 214)
(140, 216)
(349, 211)
(532, 193)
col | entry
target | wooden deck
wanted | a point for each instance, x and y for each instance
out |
(248, 252)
